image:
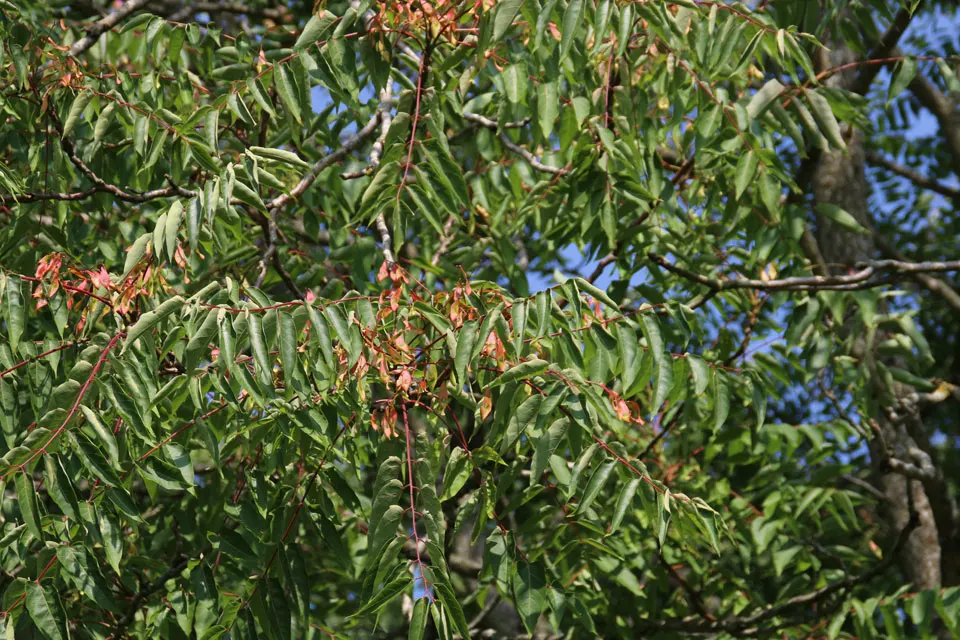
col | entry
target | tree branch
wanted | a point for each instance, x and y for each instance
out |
(864, 278)
(942, 107)
(103, 25)
(931, 283)
(748, 625)
(310, 177)
(513, 146)
(888, 43)
(192, 8)
(913, 176)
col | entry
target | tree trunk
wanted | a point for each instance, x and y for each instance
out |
(840, 179)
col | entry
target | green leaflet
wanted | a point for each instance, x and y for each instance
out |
(624, 502)
(264, 363)
(27, 501)
(572, 17)
(86, 576)
(595, 485)
(46, 611)
(76, 110)
(104, 434)
(466, 339)
(746, 170)
(503, 18)
(826, 121)
(418, 621)
(315, 29)
(151, 319)
(546, 445)
(280, 155)
(522, 371)
(529, 586)
(458, 471)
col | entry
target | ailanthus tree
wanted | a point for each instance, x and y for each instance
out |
(486, 318)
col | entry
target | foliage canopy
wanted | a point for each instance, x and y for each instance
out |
(293, 344)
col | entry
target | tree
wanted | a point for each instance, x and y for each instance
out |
(491, 319)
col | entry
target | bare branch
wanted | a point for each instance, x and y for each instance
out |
(103, 25)
(27, 198)
(913, 176)
(888, 42)
(310, 177)
(863, 278)
(513, 146)
(376, 152)
(943, 108)
(191, 8)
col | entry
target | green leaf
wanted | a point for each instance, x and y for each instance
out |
(46, 611)
(746, 171)
(546, 445)
(530, 593)
(519, 313)
(840, 217)
(384, 595)
(548, 107)
(598, 293)
(27, 501)
(452, 605)
(466, 339)
(150, 319)
(93, 460)
(903, 75)
(103, 121)
(701, 374)
(663, 382)
(597, 481)
(515, 83)
(418, 621)
(521, 419)
(315, 29)
(86, 576)
(458, 471)
(112, 541)
(104, 434)
(503, 17)
(288, 92)
(721, 401)
(205, 591)
(624, 502)
(572, 20)
(260, 95)
(174, 215)
(259, 348)
(281, 155)
(137, 250)
(949, 75)
(245, 194)
(59, 486)
(770, 91)
(522, 371)
(76, 111)
(826, 121)
(13, 310)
